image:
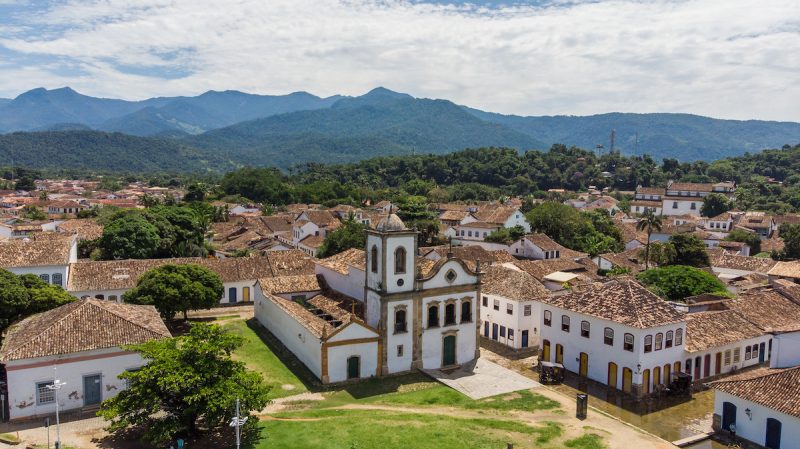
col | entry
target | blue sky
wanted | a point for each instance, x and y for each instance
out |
(722, 58)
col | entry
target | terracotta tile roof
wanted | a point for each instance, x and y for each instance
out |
(724, 259)
(312, 241)
(650, 190)
(124, 274)
(480, 224)
(85, 228)
(494, 213)
(767, 309)
(342, 262)
(786, 269)
(316, 325)
(630, 233)
(725, 216)
(453, 215)
(773, 388)
(52, 250)
(277, 223)
(290, 284)
(510, 283)
(626, 259)
(290, 262)
(647, 203)
(321, 218)
(706, 330)
(83, 325)
(691, 186)
(773, 243)
(788, 218)
(541, 268)
(621, 300)
(544, 242)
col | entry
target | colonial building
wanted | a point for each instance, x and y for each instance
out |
(403, 313)
(762, 406)
(79, 344)
(687, 197)
(618, 333)
(539, 246)
(511, 306)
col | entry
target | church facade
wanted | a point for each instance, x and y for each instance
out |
(415, 313)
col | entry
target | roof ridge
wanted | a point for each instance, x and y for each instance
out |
(101, 305)
(768, 372)
(75, 306)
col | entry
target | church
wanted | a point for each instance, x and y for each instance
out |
(377, 311)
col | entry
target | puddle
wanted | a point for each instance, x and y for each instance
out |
(670, 418)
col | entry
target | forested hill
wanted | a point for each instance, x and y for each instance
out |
(379, 123)
(93, 150)
(685, 137)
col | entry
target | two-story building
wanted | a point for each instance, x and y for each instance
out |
(511, 306)
(647, 199)
(618, 333)
(682, 198)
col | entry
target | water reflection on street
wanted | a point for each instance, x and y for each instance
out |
(670, 418)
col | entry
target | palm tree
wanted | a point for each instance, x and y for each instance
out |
(649, 222)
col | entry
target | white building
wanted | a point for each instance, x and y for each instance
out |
(110, 279)
(79, 344)
(511, 307)
(422, 314)
(762, 406)
(619, 334)
(720, 342)
(647, 199)
(488, 218)
(683, 198)
(540, 247)
(48, 256)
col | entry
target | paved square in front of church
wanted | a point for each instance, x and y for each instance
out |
(482, 379)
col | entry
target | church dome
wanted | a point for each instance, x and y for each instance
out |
(391, 223)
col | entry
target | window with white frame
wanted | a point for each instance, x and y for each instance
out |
(659, 341)
(485, 301)
(526, 310)
(648, 343)
(45, 395)
(737, 355)
(585, 329)
(608, 336)
(678, 337)
(496, 304)
(628, 342)
(755, 351)
(670, 337)
(510, 309)
(747, 353)
(548, 318)
(564, 323)
(727, 357)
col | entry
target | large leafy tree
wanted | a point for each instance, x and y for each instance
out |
(130, 237)
(415, 213)
(677, 282)
(649, 222)
(506, 235)
(715, 204)
(791, 238)
(22, 296)
(689, 250)
(187, 381)
(177, 288)
(350, 235)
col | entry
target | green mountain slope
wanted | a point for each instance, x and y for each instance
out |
(682, 136)
(93, 150)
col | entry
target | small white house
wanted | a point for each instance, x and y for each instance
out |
(761, 406)
(48, 256)
(619, 334)
(80, 345)
(511, 306)
(540, 247)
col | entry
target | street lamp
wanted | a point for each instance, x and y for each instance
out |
(57, 384)
(237, 422)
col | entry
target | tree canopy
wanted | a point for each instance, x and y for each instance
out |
(749, 238)
(790, 233)
(187, 381)
(689, 250)
(506, 235)
(677, 282)
(591, 232)
(715, 204)
(22, 296)
(351, 234)
(177, 288)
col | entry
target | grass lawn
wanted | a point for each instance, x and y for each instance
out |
(588, 441)
(368, 429)
(440, 395)
(258, 356)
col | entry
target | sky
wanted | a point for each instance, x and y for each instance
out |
(733, 59)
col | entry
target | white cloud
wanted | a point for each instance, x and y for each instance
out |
(723, 58)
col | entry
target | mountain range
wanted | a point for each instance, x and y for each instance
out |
(284, 130)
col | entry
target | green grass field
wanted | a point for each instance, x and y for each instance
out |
(428, 415)
(258, 357)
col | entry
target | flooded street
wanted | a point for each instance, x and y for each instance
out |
(669, 418)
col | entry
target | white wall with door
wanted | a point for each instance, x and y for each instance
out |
(753, 426)
(90, 377)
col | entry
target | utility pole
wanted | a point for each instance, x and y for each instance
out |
(237, 423)
(57, 384)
